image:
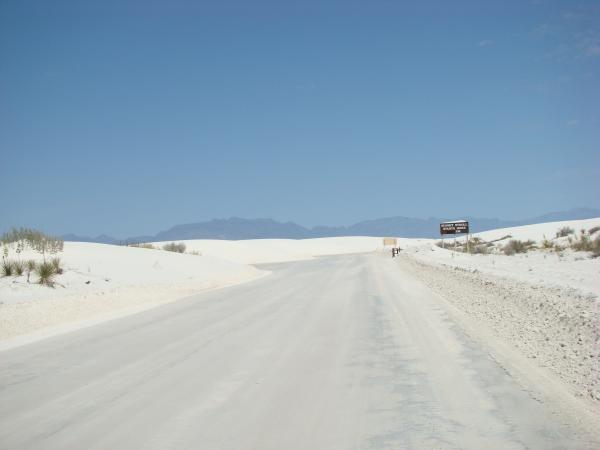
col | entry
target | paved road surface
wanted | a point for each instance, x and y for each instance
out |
(336, 353)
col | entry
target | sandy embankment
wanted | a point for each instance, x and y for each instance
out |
(575, 272)
(105, 281)
(542, 304)
(263, 251)
(101, 282)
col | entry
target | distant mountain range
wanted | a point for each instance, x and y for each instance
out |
(237, 228)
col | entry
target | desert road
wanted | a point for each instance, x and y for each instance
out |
(344, 352)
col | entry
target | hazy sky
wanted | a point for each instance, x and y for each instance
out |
(128, 117)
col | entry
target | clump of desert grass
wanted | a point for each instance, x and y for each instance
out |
(18, 267)
(11, 268)
(174, 247)
(564, 231)
(46, 273)
(475, 246)
(23, 238)
(7, 268)
(56, 265)
(143, 245)
(517, 246)
(551, 245)
(585, 243)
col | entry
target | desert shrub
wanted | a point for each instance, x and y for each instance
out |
(585, 243)
(517, 246)
(56, 265)
(46, 274)
(7, 268)
(34, 239)
(476, 246)
(594, 230)
(480, 249)
(564, 231)
(596, 247)
(18, 267)
(174, 247)
(195, 252)
(547, 244)
(143, 245)
(449, 245)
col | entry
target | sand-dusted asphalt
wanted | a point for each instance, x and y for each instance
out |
(345, 352)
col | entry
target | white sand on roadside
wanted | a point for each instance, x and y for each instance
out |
(261, 251)
(101, 282)
(565, 270)
(103, 279)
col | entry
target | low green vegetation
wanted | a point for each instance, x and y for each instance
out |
(24, 238)
(56, 265)
(6, 268)
(174, 247)
(475, 246)
(565, 231)
(46, 273)
(517, 246)
(21, 239)
(46, 270)
(143, 245)
(18, 267)
(585, 243)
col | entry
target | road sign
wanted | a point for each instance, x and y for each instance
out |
(458, 227)
(390, 241)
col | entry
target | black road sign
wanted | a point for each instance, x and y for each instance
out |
(460, 227)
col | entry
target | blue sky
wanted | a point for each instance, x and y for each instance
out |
(128, 117)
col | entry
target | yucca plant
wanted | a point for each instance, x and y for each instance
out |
(46, 273)
(6, 268)
(56, 265)
(19, 268)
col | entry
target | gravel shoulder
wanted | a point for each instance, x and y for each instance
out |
(556, 332)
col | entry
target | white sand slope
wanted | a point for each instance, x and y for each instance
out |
(539, 231)
(108, 281)
(101, 279)
(260, 251)
(566, 270)
(102, 282)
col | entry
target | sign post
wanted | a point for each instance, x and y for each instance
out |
(454, 228)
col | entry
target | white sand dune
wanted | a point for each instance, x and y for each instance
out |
(566, 270)
(91, 268)
(103, 282)
(260, 251)
(108, 280)
(539, 231)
